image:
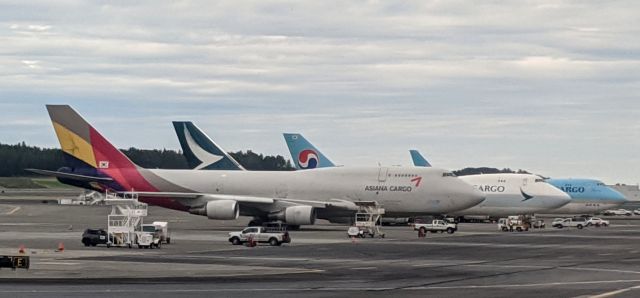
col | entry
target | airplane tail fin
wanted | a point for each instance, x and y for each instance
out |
(304, 154)
(88, 153)
(201, 152)
(418, 159)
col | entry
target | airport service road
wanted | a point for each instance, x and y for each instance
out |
(321, 262)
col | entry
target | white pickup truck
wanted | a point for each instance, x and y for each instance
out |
(260, 235)
(617, 212)
(437, 225)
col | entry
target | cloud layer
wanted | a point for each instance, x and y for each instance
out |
(549, 86)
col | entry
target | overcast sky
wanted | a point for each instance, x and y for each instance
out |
(547, 86)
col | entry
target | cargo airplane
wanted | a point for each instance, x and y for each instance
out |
(294, 197)
(507, 194)
(587, 196)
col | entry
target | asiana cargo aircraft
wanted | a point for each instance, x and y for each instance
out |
(507, 194)
(294, 197)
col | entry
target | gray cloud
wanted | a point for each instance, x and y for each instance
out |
(549, 86)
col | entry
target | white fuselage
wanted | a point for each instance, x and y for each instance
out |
(513, 194)
(584, 207)
(401, 191)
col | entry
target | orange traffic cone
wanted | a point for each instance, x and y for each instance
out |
(60, 247)
(21, 249)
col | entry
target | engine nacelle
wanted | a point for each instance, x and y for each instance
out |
(300, 215)
(222, 209)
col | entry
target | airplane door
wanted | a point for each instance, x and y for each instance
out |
(282, 191)
(218, 187)
(382, 174)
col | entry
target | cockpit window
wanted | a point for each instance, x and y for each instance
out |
(539, 180)
(448, 174)
(600, 184)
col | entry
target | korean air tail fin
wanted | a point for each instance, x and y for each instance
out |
(201, 152)
(418, 159)
(89, 154)
(304, 154)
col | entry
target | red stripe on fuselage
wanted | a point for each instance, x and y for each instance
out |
(116, 165)
(123, 171)
(165, 203)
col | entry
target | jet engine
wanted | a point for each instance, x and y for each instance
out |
(297, 215)
(219, 209)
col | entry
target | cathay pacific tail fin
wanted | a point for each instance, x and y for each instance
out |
(201, 151)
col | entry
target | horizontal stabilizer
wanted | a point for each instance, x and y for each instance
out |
(64, 175)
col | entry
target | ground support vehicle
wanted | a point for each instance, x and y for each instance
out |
(149, 236)
(514, 223)
(93, 237)
(367, 220)
(253, 235)
(538, 224)
(596, 221)
(162, 227)
(617, 212)
(578, 222)
(125, 220)
(435, 226)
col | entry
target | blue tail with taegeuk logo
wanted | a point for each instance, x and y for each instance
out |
(304, 154)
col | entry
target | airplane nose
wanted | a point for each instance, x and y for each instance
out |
(618, 196)
(558, 199)
(473, 197)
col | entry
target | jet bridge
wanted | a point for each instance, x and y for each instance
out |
(125, 219)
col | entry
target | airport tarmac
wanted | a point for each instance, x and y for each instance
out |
(321, 261)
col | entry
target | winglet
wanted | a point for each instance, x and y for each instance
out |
(304, 154)
(418, 159)
(201, 151)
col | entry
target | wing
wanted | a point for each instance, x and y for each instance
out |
(193, 196)
(331, 204)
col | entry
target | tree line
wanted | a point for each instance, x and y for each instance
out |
(486, 170)
(15, 158)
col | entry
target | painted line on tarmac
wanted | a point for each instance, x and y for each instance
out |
(177, 291)
(364, 268)
(241, 258)
(328, 289)
(616, 292)
(31, 224)
(599, 270)
(492, 245)
(57, 263)
(508, 266)
(551, 284)
(437, 265)
(556, 235)
(13, 211)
